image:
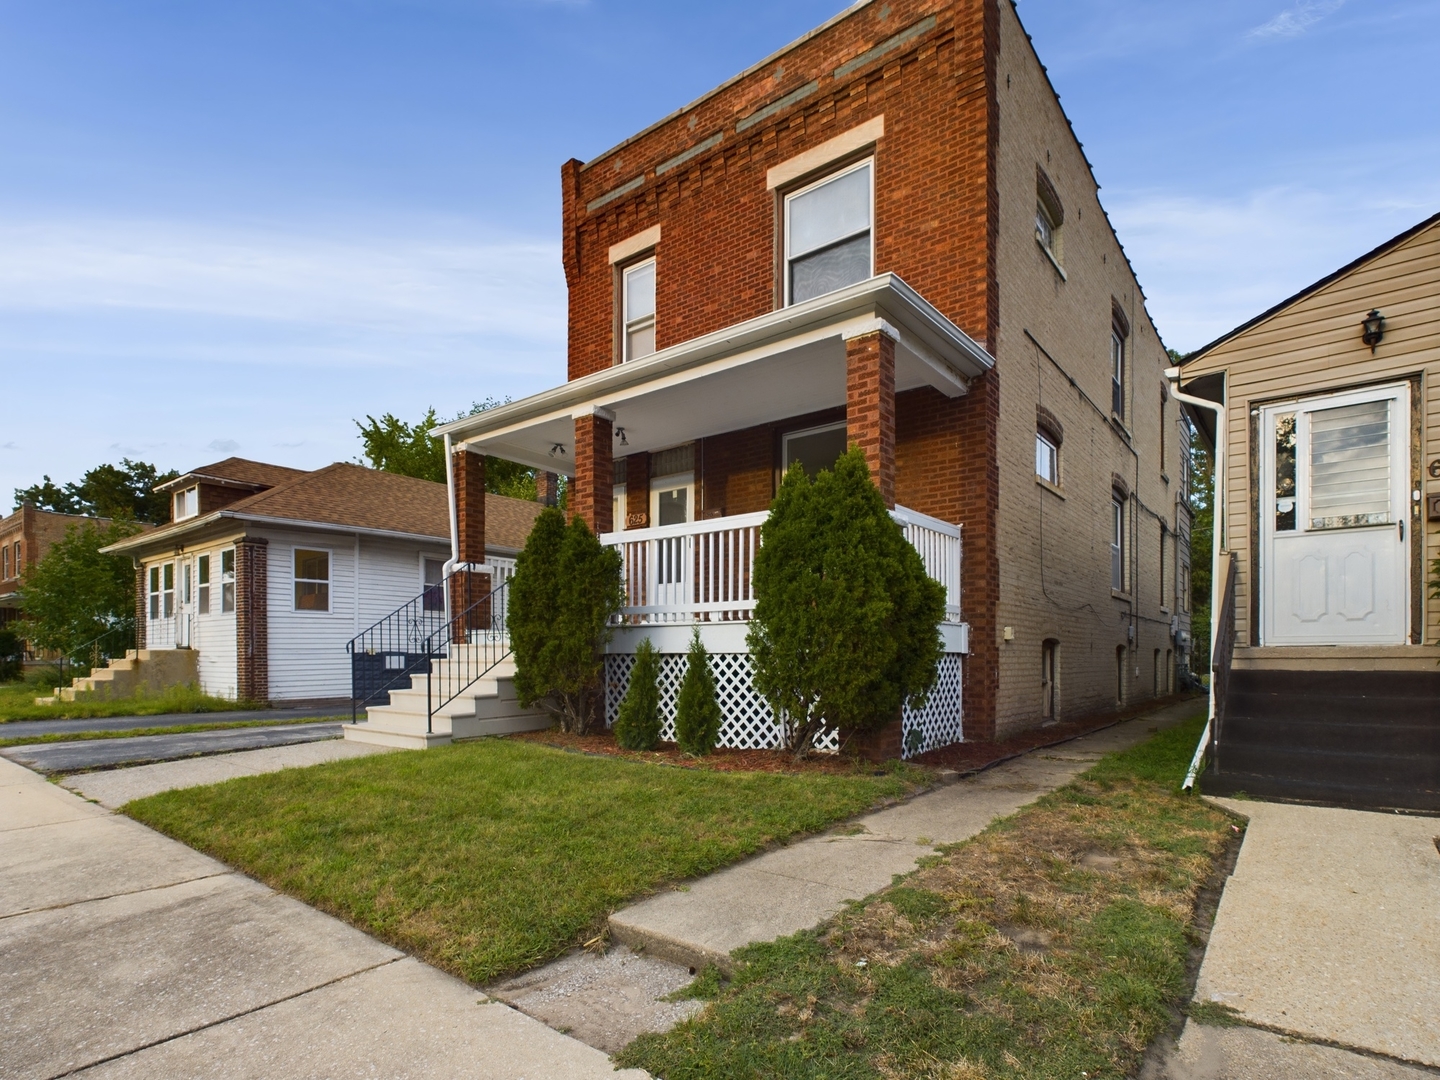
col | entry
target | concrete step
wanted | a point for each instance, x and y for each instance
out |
(488, 707)
(378, 734)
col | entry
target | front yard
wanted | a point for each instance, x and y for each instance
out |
(17, 702)
(489, 857)
(1053, 945)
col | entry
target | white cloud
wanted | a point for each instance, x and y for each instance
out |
(1296, 20)
(224, 446)
(1209, 264)
(429, 287)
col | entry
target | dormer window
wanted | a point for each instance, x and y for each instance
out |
(187, 503)
(828, 234)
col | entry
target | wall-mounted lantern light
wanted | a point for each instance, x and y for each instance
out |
(558, 450)
(1374, 325)
(620, 434)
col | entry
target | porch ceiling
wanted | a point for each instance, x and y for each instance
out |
(783, 364)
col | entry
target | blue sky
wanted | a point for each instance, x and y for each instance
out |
(234, 227)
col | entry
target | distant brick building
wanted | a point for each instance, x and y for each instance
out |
(885, 234)
(25, 537)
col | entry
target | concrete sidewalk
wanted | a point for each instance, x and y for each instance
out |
(1329, 930)
(126, 954)
(800, 886)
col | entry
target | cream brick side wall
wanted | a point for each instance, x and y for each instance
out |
(1055, 546)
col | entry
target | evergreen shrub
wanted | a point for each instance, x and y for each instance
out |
(565, 589)
(846, 623)
(638, 725)
(697, 711)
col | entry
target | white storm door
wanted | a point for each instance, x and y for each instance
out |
(1335, 481)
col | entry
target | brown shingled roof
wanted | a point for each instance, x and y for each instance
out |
(240, 470)
(354, 497)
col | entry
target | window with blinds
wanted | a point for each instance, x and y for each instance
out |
(1350, 466)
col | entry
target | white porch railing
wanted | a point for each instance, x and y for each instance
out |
(702, 571)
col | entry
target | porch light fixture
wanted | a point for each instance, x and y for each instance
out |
(620, 434)
(1374, 325)
(558, 450)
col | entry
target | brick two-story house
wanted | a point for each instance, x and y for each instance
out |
(884, 234)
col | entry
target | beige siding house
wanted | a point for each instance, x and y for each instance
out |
(1329, 504)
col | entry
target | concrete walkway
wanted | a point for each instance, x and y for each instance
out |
(60, 757)
(18, 729)
(126, 954)
(1329, 931)
(800, 886)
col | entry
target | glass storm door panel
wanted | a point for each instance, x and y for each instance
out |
(1334, 549)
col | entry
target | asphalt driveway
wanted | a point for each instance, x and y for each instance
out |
(69, 757)
(20, 729)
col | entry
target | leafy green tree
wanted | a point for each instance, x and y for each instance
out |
(76, 593)
(392, 445)
(565, 589)
(1202, 547)
(122, 492)
(846, 619)
(12, 660)
(697, 712)
(638, 725)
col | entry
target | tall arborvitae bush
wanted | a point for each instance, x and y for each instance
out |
(638, 725)
(565, 589)
(697, 711)
(846, 623)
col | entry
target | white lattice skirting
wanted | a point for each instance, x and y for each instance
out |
(748, 722)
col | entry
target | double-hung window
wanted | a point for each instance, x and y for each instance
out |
(638, 297)
(828, 234)
(1117, 543)
(312, 580)
(1117, 372)
(154, 592)
(187, 503)
(1047, 458)
(202, 584)
(227, 580)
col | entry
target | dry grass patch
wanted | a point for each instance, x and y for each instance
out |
(1052, 945)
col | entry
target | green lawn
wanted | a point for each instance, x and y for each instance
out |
(17, 702)
(1053, 945)
(173, 729)
(488, 857)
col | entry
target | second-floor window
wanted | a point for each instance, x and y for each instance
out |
(638, 298)
(1117, 372)
(828, 235)
(1047, 458)
(187, 503)
(1117, 543)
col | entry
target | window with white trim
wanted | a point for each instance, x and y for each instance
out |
(432, 583)
(187, 503)
(227, 580)
(1047, 458)
(1117, 372)
(828, 233)
(638, 316)
(1117, 543)
(672, 499)
(312, 580)
(202, 584)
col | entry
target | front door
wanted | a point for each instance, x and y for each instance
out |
(1335, 481)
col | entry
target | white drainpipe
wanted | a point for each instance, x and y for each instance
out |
(1218, 516)
(454, 521)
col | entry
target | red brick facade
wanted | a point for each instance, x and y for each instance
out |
(468, 472)
(870, 405)
(252, 634)
(592, 498)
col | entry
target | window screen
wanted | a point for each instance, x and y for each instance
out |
(827, 229)
(1350, 466)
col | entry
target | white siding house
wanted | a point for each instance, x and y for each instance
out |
(268, 573)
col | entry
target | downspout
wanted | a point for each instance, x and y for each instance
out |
(1217, 503)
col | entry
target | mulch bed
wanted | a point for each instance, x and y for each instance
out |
(963, 758)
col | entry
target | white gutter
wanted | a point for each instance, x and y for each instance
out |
(1217, 504)
(162, 540)
(449, 567)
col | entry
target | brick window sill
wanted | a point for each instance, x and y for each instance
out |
(1118, 595)
(1053, 261)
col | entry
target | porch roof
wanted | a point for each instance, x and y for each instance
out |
(785, 363)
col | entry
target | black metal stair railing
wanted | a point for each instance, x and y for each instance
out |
(385, 655)
(1220, 659)
(473, 643)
